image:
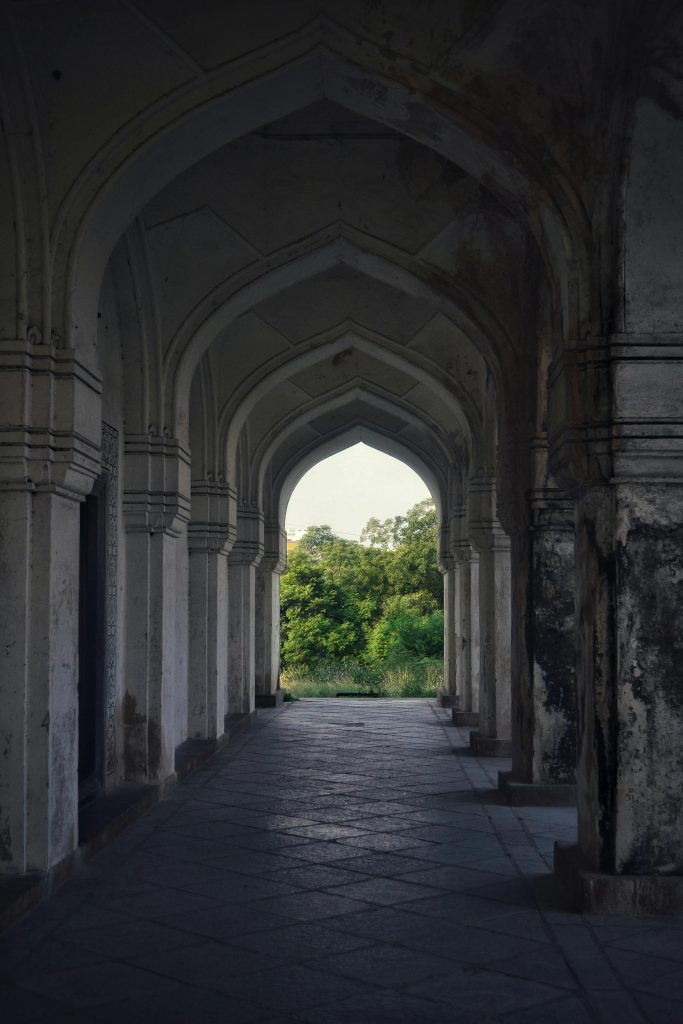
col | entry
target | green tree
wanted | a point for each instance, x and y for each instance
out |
(379, 600)
(319, 618)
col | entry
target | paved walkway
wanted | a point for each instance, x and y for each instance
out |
(336, 864)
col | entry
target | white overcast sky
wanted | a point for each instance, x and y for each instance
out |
(347, 489)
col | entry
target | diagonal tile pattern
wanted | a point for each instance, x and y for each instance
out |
(346, 861)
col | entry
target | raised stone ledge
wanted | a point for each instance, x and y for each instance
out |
(465, 719)
(489, 746)
(535, 794)
(270, 700)
(625, 895)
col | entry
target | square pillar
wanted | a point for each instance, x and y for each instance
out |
(242, 562)
(50, 454)
(449, 696)
(621, 396)
(156, 509)
(466, 712)
(493, 736)
(210, 537)
(544, 656)
(39, 546)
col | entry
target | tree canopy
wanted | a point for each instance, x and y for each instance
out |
(379, 601)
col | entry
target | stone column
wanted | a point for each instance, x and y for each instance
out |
(50, 426)
(448, 697)
(211, 534)
(544, 656)
(267, 622)
(466, 712)
(475, 633)
(626, 457)
(493, 545)
(156, 507)
(242, 561)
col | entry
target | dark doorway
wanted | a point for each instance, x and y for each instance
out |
(91, 644)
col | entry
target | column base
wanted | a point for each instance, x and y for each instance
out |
(535, 794)
(270, 700)
(489, 746)
(465, 719)
(626, 895)
(445, 699)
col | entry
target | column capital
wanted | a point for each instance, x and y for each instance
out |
(156, 496)
(274, 547)
(50, 419)
(213, 526)
(248, 548)
(551, 508)
(614, 410)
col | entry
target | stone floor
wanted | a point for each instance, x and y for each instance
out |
(344, 861)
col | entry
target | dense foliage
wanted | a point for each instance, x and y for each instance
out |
(378, 602)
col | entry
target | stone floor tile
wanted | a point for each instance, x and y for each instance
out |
(327, 832)
(292, 988)
(665, 982)
(128, 940)
(590, 963)
(319, 876)
(386, 891)
(387, 841)
(382, 964)
(383, 865)
(461, 907)
(185, 1005)
(562, 1011)
(467, 944)
(19, 1006)
(321, 852)
(393, 924)
(407, 865)
(446, 876)
(658, 1009)
(513, 890)
(302, 941)
(272, 841)
(53, 954)
(384, 1007)
(609, 1007)
(546, 964)
(666, 942)
(312, 906)
(527, 924)
(153, 904)
(227, 920)
(485, 992)
(383, 823)
(207, 965)
(96, 984)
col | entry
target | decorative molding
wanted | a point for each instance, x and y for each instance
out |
(212, 528)
(51, 429)
(156, 495)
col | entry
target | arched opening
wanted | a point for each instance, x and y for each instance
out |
(363, 567)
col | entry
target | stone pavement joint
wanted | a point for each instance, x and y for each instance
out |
(347, 861)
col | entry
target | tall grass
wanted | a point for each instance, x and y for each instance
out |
(411, 679)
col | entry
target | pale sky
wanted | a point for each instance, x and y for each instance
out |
(349, 488)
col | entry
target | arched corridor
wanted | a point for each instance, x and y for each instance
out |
(337, 864)
(239, 237)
